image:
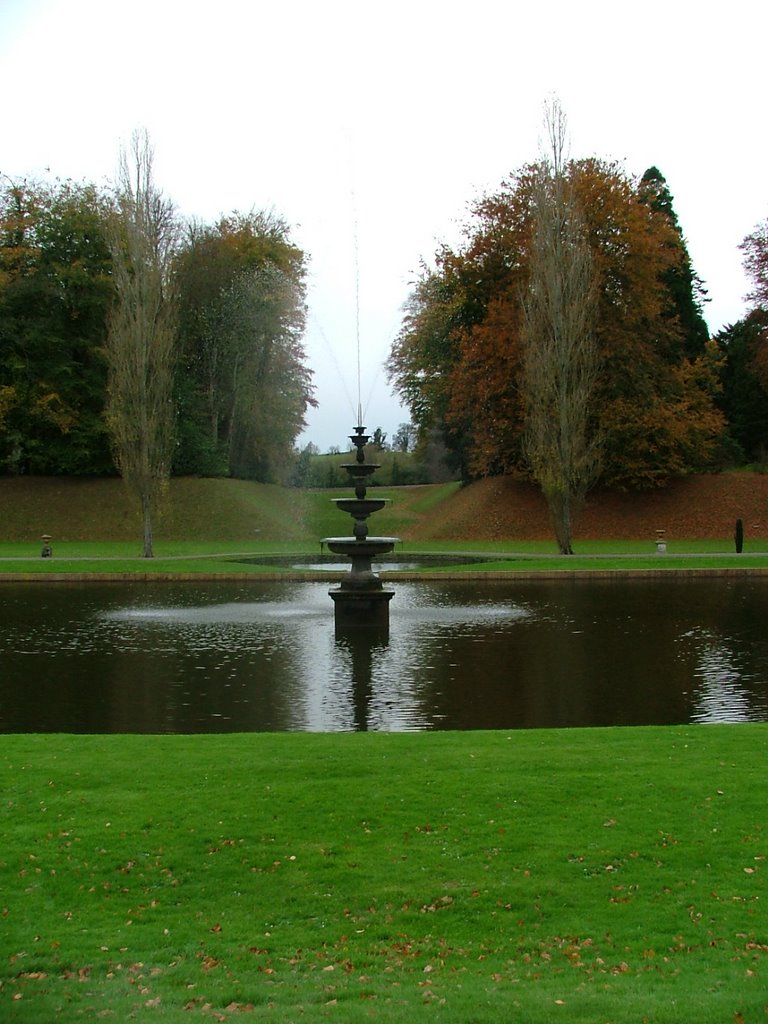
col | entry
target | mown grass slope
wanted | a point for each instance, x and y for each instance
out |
(72, 509)
(497, 509)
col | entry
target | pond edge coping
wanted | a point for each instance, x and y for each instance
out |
(392, 576)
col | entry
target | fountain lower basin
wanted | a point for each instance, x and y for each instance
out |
(361, 553)
(361, 598)
(373, 545)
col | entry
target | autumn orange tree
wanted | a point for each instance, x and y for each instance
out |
(458, 359)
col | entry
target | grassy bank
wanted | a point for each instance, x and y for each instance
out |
(588, 875)
(214, 511)
(211, 527)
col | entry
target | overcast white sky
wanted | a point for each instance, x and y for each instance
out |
(370, 126)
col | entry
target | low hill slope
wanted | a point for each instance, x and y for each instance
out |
(500, 508)
(707, 506)
(69, 508)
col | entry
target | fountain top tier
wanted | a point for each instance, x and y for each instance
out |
(360, 507)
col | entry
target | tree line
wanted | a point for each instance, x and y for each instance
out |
(75, 258)
(564, 339)
(131, 341)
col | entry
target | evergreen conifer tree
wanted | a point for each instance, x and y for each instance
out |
(687, 293)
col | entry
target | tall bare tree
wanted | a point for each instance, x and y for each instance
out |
(561, 361)
(142, 331)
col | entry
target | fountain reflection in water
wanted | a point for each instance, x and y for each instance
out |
(306, 675)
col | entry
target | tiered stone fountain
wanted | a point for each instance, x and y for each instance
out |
(361, 598)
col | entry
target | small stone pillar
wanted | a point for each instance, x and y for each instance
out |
(661, 544)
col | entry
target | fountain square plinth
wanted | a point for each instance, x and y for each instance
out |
(356, 609)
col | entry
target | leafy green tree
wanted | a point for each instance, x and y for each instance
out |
(302, 466)
(404, 438)
(744, 398)
(744, 347)
(55, 291)
(244, 386)
(755, 249)
(686, 292)
(379, 440)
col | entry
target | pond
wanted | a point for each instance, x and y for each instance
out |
(255, 656)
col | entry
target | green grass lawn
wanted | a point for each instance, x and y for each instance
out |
(238, 557)
(608, 876)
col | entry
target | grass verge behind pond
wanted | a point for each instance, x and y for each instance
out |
(609, 875)
(201, 558)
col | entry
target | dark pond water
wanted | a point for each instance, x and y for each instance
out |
(185, 658)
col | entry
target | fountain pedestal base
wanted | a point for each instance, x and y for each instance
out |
(356, 608)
